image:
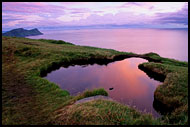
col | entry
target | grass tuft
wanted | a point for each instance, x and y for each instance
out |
(95, 92)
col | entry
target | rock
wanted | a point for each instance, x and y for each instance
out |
(93, 98)
(111, 88)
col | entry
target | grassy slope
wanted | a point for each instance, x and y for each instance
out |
(30, 99)
(101, 112)
(173, 93)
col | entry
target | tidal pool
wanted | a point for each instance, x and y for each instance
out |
(131, 86)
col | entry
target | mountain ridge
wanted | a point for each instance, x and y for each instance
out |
(21, 32)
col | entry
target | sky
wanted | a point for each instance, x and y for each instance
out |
(72, 14)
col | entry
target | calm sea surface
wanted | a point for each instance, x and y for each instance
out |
(169, 43)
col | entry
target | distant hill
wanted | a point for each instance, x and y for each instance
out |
(20, 32)
(4, 31)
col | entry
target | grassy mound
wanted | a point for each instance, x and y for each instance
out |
(101, 112)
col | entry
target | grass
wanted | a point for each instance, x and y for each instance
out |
(55, 41)
(95, 92)
(172, 95)
(167, 61)
(29, 99)
(101, 112)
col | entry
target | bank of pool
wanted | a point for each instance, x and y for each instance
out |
(27, 98)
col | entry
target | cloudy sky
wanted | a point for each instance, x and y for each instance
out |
(60, 14)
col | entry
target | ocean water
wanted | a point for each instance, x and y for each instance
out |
(171, 43)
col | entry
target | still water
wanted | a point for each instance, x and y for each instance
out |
(131, 86)
(171, 43)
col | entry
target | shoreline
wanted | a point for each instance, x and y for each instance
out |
(31, 62)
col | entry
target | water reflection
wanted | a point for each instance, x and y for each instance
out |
(169, 43)
(131, 85)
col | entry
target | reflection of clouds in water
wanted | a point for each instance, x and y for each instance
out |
(131, 85)
(126, 79)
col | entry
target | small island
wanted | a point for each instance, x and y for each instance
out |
(20, 32)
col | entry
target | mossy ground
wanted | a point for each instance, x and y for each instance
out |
(173, 93)
(101, 112)
(29, 99)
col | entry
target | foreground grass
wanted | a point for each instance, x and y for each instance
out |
(29, 99)
(101, 112)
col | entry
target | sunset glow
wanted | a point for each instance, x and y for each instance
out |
(54, 14)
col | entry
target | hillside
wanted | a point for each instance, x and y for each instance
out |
(20, 32)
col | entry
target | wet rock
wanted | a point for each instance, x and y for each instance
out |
(93, 98)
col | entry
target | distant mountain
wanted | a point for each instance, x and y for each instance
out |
(20, 32)
(111, 26)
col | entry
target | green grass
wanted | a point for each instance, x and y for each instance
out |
(90, 93)
(101, 112)
(173, 93)
(55, 41)
(95, 92)
(166, 60)
(27, 97)
(30, 99)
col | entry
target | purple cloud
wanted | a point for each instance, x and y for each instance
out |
(31, 7)
(180, 17)
(78, 10)
(10, 20)
(131, 4)
(46, 14)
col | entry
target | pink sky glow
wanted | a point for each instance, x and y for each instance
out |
(55, 14)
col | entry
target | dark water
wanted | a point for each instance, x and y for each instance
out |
(171, 43)
(131, 85)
